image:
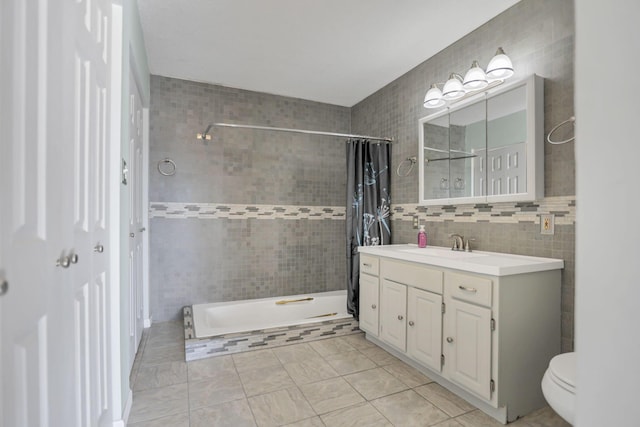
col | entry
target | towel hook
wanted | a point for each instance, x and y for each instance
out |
(572, 120)
(167, 167)
(412, 162)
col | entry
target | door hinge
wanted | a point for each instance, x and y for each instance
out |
(493, 324)
(492, 386)
(442, 360)
(443, 308)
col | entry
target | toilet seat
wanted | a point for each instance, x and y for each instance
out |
(558, 385)
(563, 371)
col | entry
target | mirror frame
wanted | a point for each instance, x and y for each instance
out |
(535, 144)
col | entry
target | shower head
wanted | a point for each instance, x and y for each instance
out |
(205, 135)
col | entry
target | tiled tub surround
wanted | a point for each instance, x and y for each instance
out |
(538, 35)
(234, 181)
(220, 345)
(226, 259)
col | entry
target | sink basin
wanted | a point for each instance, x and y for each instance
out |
(442, 253)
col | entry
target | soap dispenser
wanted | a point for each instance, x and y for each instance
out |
(422, 237)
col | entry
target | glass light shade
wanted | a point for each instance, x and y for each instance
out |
(433, 98)
(475, 78)
(453, 88)
(500, 66)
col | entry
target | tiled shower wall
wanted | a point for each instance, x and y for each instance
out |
(250, 213)
(538, 35)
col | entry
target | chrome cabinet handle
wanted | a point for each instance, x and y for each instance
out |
(464, 288)
(132, 234)
(400, 317)
(373, 306)
(142, 229)
(98, 248)
(4, 287)
(63, 262)
(449, 340)
(411, 323)
(366, 265)
(73, 258)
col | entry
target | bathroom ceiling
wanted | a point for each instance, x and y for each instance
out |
(333, 51)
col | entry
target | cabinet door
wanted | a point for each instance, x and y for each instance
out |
(393, 313)
(424, 333)
(467, 346)
(369, 303)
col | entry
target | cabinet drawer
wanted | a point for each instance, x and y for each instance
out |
(473, 289)
(369, 264)
(412, 274)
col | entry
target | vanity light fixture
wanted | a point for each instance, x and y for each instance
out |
(476, 79)
(500, 66)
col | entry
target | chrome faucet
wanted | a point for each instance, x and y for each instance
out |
(458, 242)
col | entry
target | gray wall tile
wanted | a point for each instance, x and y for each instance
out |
(207, 260)
(538, 35)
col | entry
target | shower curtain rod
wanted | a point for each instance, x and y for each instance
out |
(309, 132)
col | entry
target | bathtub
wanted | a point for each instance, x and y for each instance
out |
(230, 327)
(222, 318)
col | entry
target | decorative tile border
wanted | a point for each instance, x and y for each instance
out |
(180, 210)
(200, 348)
(564, 209)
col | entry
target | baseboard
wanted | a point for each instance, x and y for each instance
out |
(127, 408)
(147, 322)
(125, 415)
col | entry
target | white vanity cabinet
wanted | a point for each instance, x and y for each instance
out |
(424, 331)
(369, 294)
(393, 314)
(467, 332)
(411, 310)
(484, 325)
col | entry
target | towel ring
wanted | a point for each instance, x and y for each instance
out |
(169, 170)
(412, 163)
(572, 120)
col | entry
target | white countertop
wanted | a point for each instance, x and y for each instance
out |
(493, 263)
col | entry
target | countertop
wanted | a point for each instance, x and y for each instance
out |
(492, 263)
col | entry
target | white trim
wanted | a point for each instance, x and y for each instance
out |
(146, 310)
(115, 343)
(127, 410)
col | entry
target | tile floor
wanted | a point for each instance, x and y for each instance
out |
(344, 381)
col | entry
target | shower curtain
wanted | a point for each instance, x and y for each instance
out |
(368, 201)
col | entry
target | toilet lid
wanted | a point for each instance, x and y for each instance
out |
(563, 369)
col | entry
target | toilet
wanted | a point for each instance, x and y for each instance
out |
(558, 385)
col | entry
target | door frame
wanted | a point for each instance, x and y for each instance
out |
(138, 75)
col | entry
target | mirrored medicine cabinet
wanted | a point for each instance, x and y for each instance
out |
(488, 148)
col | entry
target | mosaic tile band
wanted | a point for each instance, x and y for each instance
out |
(179, 210)
(200, 348)
(564, 209)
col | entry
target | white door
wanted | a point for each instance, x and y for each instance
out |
(369, 291)
(507, 169)
(32, 345)
(54, 123)
(393, 313)
(424, 333)
(467, 346)
(90, 188)
(136, 227)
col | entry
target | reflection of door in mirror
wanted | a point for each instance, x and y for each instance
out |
(467, 132)
(436, 158)
(506, 143)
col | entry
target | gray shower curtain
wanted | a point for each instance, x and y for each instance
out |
(368, 202)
